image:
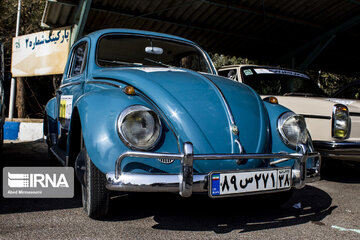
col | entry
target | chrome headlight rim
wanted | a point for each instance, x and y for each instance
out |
(137, 108)
(283, 118)
(333, 121)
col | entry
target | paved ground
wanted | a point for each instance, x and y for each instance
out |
(329, 209)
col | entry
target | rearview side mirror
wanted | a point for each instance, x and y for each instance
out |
(154, 50)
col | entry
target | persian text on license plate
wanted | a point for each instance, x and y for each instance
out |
(250, 181)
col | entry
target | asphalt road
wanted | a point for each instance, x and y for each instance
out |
(328, 209)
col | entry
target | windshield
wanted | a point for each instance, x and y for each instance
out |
(268, 81)
(120, 50)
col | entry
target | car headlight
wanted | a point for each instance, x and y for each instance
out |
(340, 122)
(292, 129)
(139, 127)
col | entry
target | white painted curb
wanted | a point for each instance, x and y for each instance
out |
(30, 131)
(23, 131)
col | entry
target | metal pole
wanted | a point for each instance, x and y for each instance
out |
(13, 83)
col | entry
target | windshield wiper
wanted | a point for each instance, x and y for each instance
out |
(158, 62)
(120, 62)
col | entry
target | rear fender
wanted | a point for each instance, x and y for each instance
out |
(49, 125)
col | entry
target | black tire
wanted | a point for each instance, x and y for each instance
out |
(95, 196)
(51, 156)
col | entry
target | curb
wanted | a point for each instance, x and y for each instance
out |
(23, 131)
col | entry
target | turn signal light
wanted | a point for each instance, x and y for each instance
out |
(272, 100)
(129, 90)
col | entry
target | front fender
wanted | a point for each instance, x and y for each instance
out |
(274, 111)
(278, 145)
(98, 112)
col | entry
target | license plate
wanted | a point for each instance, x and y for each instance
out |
(231, 183)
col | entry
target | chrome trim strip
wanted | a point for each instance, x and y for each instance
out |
(316, 116)
(70, 83)
(110, 79)
(153, 183)
(104, 83)
(336, 145)
(348, 151)
(241, 149)
(228, 110)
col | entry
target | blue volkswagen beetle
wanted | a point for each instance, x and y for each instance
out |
(140, 111)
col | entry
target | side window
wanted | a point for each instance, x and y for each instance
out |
(229, 74)
(78, 60)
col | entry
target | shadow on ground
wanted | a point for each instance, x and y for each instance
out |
(171, 212)
(340, 171)
(15, 154)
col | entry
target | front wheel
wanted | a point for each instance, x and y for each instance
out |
(95, 196)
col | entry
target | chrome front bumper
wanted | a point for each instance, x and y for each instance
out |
(187, 183)
(341, 150)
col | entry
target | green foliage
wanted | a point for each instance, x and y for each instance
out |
(330, 82)
(30, 20)
(222, 60)
(38, 90)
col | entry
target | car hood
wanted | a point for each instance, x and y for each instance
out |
(353, 105)
(194, 104)
(316, 106)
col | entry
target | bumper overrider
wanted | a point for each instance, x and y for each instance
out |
(186, 183)
(345, 150)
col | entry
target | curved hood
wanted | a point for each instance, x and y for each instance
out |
(196, 108)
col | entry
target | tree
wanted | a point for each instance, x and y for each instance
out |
(220, 60)
(30, 19)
